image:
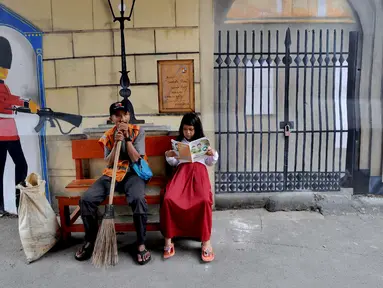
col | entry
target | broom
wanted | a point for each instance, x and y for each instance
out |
(105, 249)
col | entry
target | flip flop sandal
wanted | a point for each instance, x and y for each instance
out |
(169, 251)
(85, 253)
(4, 214)
(143, 259)
(207, 254)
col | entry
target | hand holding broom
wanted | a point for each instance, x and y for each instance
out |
(105, 250)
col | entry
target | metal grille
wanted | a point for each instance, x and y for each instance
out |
(283, 110)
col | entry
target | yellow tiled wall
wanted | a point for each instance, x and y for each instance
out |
(82, 52)
(82, 61)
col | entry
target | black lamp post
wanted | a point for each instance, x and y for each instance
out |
(125, 92)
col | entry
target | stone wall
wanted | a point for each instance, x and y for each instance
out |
(82, 58)
(82, 53)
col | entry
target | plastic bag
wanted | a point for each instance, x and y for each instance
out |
(38, 226)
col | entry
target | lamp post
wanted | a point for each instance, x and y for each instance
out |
(125, 92)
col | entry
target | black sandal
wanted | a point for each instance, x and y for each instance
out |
(84, 253)
(3, 213)
(143, 259)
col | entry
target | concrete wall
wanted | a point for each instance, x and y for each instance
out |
(370, 15)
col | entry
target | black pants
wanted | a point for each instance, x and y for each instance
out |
(21, 167)
(134, 189)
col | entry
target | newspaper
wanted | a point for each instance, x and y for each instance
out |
(192, 152)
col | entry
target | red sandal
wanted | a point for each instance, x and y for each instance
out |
(207, 254)
(169, 251)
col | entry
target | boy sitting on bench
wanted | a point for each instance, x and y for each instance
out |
(127, 181)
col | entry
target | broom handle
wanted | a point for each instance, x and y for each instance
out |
(115, 164)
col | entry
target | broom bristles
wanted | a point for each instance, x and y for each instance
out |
(105, 252)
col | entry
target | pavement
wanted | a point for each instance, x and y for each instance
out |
(254, 248)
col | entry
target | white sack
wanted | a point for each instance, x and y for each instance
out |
(38, 227)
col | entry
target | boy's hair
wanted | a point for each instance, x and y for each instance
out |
(191, 119)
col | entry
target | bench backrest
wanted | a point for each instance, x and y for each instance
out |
(91, 149)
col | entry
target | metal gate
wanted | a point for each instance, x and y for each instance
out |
(285, 110)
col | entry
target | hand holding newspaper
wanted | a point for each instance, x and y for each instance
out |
(192, 152)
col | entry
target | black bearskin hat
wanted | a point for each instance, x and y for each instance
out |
(5, 53)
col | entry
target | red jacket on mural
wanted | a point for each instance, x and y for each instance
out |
(8, 129)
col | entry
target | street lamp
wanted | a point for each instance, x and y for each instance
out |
(125, 92)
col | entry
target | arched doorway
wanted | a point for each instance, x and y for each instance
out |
(285, 82)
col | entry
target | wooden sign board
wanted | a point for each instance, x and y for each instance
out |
(176, 86)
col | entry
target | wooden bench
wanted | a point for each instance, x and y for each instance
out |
(84, 150)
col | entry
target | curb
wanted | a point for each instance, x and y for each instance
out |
(327, 203)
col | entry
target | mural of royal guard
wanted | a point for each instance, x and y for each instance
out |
(9, 136)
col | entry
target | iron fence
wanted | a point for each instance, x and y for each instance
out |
(285, 114)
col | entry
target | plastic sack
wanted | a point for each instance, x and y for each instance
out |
(38, 226)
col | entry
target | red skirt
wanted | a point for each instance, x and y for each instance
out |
(186, 209)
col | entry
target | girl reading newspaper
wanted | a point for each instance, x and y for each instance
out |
(187, 206)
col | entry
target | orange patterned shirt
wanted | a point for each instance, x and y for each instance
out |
(107, 142)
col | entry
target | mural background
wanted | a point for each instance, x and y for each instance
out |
(23, 82)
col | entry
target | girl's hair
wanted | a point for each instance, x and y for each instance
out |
(191, 119)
